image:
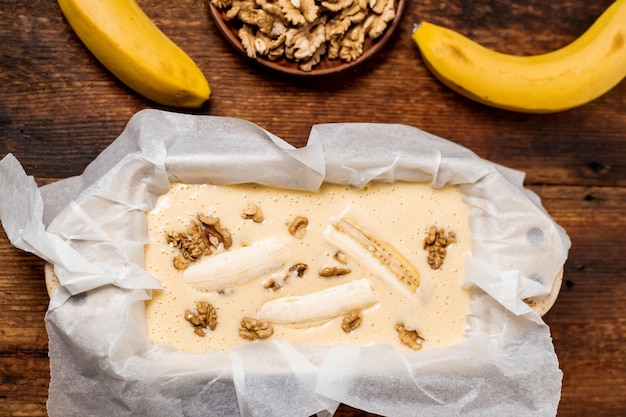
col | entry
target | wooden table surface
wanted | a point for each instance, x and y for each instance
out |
(59, 108)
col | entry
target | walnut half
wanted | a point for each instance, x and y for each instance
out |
(299, 269)
(206, 317)
(253, 212)
(297, 227)
(253, 329)
(333, 271)
(198, 240)
(352, 321)
(435, 243)
(215, 232)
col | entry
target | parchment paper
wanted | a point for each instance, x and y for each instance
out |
(92, 228)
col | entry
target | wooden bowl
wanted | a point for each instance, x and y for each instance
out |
(229, 29)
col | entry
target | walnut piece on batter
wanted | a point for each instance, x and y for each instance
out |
(216, 233)
(410, 338)
(334, 271)
(435, 243)
(252, 211)
(204, 317)
(191, 245)
(341, 257)
(297, 227)
(253, 329)
(198, 240)
(299, 269)
(352, 321)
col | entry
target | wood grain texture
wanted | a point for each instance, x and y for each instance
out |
(59, 108)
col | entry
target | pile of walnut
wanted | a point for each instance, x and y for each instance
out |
(206, 317)
(306, 30)
(435, 244)
(198, 240)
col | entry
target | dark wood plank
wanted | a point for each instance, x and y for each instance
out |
(587, 322)
(67, 106)
(24, 379)
(23, 298)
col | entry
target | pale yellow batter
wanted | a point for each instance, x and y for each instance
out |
(399, 213)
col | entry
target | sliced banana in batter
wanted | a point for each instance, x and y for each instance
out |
(319, 306)
(374, 253)
(235, 266)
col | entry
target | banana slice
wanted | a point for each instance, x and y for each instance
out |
(319, 306)
(226, 269)
(375, 254)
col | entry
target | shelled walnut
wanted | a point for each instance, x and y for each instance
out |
(276, 282)
(299, 269)
(204, 317)
(304, 31)
(341, 257)
(435, 243)
(253, 329)
(352, 321)
(192, 244)
(215, 232)
(198, 240)
(180, 262)
(273, 284)
(297, 227)
(333, 271)
(410, 338)
(252, 211)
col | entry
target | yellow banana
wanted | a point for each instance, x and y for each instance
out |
(563, 79)
(124, 39)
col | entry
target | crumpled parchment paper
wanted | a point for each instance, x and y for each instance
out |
(92, 229)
